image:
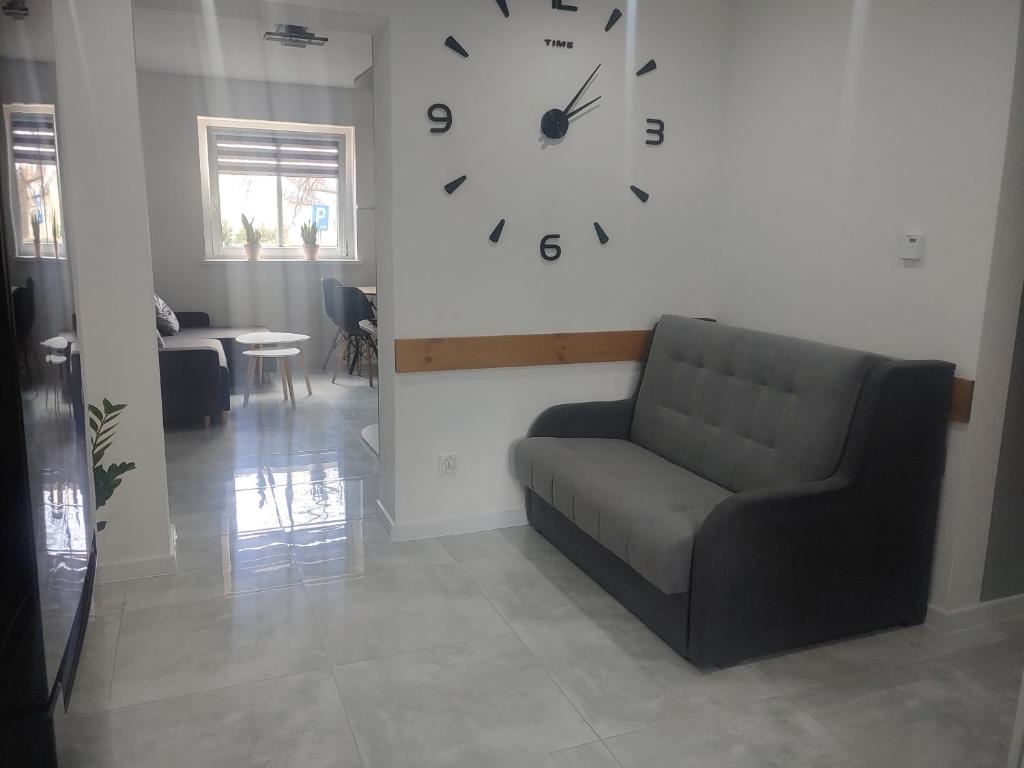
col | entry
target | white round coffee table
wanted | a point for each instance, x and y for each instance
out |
(282, 355)
(270, 339)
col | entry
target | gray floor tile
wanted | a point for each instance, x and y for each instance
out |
(108, 598)
(519, 540)
(997, 666)
(530, 593)
(96, 665)
(185, 586)
(398, 611)
(936, 644)
(766, 735)
(594, 755)
(930, 714)
(189, 647)
(235, 551)
(834, 661)
(360, 547)
(471, 704)
(289, 721)
(621, 677)
(477, 546)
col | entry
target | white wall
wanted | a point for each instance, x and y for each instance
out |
(103, 184)
(849, 123)
(449, 280)
(281, 296)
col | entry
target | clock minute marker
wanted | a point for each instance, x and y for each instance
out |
(613, 20)
(454, 184)
(650, 66)
(454, 45)
(503, 4)
(496, 234)
(644, 196)
(602, 236)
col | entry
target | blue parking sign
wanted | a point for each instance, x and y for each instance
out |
(321, 217)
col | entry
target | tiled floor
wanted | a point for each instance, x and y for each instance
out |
(297, 634)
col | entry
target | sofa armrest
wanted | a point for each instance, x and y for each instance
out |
(193, 319)
(780, 568)
(611, 419)
(192, 383)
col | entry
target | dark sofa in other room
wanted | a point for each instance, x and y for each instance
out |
(759, 493)
(197, 366)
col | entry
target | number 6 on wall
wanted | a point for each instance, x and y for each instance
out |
(550, 250)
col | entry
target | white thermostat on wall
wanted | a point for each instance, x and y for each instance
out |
(913, 247)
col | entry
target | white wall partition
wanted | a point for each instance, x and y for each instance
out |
(104, 190)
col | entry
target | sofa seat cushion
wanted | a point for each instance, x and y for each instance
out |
(644, 509)
(186, 339)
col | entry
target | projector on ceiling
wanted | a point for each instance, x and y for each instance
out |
(293, 36)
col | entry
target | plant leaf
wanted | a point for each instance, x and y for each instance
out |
(96, 412)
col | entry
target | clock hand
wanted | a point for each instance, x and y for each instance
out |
(581, 90)
(580, 109)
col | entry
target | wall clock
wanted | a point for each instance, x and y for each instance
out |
(557, 121)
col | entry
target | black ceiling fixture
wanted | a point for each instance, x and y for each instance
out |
(293, 36)
(16, 9)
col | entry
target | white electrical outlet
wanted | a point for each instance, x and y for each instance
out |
(446, 464)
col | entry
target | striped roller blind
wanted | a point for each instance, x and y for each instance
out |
(277, 154)
(33, 138)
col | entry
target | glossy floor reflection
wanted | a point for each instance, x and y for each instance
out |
(296, 633)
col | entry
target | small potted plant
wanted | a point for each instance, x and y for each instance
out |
(36, 242)
(252, 239)
(310, 247)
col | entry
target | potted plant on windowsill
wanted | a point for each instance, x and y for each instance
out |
(310, 247)
(36, 242)
(252, 239)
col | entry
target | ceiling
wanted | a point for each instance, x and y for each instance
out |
(187, 37)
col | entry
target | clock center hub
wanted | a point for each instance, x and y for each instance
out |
(555, 124)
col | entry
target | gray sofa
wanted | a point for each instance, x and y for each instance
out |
(197, 366)
(758, 493)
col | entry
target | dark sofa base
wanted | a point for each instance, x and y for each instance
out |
(667, 616)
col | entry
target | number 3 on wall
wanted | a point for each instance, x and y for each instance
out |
(550, 250)
(656, 130)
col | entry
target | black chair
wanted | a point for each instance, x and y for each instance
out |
(329, 285)
(24, 302)
(353, 307)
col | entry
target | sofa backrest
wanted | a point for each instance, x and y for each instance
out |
(746, 409)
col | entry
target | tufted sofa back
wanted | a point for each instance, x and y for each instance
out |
(745, 409)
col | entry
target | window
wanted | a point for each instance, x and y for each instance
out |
(280, 176)
(34, 180)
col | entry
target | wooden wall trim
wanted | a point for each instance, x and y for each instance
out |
(476, 352)
(963, 400)
(465, 353)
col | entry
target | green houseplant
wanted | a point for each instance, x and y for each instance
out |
(310, 246)
(252, 239)
(103, 424)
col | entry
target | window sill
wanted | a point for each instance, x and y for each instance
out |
(215, 261)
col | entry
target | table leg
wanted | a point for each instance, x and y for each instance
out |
(288, 377)
(249, 374)
(305, 371)
(281, 367)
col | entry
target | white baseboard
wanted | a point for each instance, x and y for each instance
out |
(382, 512)
(449, 526)
(123, 570)
(978, 615)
